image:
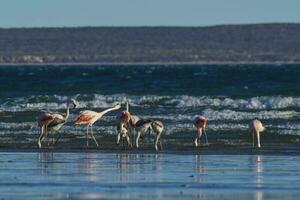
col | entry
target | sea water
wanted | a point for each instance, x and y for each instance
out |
(94, 175)
(228, 95)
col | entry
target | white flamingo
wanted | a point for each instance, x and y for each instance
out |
(142, 126)
(256, 127)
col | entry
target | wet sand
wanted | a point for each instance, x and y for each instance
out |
(222, 143)
(98, 175)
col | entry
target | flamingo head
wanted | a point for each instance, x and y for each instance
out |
(117, 105)
(74, 103)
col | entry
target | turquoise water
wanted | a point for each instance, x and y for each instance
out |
(228, 95)
(46, 175)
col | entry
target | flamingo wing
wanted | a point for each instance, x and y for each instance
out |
(58, 119)
(134, 119)
(85, 117)
(257, 126)
(200, 121)
(45, 117)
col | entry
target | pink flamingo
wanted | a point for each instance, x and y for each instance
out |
(89, 117)
(43, 121)
(126, 125)
(53, 121)
(256, 127)
(200, 123)
(123, 120)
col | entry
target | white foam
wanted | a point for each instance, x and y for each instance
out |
(238, 115)
(165, 103)
(255, 103)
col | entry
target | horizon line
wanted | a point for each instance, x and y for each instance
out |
(154, 26)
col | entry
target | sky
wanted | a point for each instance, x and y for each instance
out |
(70, 13)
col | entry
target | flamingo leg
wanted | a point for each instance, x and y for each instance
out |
(253, 139)
(206, 141)
(258, 140)
(44, 133)
(155, 143)
(40, 138)
(197, 139)
(128, 140)
(87, 135)
(137, 139)
(52, 137)
(118, 138)
(123, 142)
(94, 136)
(160, 142)
(46, 137)
(133, 135)
(157, 139)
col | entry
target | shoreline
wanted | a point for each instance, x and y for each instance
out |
(149, 63)
(145, 152)
(273, 148)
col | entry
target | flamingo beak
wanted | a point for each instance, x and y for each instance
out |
(75, 103)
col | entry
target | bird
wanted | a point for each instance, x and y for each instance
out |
(200, 123)
(125, 125)
(53, 121)
(88, 117)
(43, 121)
(157, 127)
(123, 119)
(256, 127)
(142, 126)
(131, 126)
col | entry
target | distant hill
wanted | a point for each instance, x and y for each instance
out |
(226, 43)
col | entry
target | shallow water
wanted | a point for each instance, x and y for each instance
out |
(95, 175)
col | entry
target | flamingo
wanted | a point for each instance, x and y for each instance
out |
(157, 127)
(142, 126)
(125, 124)
(256, 127)
(123, 119)
(89, 117)
(53, 121)
(200, 123)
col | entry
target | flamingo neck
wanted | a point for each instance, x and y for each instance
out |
(127, 107)
(68, 112)
(106, 111)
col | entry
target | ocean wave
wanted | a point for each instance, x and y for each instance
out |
(254, 103)
(238, 116)
(103, 101)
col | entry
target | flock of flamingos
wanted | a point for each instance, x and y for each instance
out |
(128, 125)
